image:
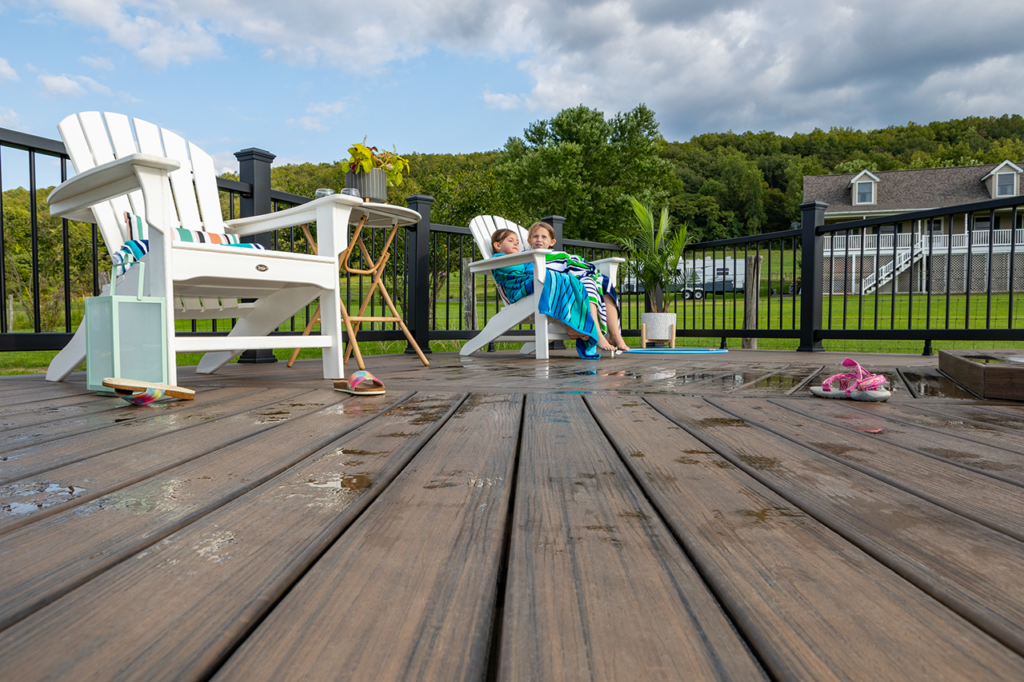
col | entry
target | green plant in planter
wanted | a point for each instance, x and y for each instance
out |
(653, 249)
(363, 159)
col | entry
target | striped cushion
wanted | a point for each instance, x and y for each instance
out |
(137, 245)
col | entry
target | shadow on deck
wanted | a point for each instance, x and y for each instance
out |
(661, 517)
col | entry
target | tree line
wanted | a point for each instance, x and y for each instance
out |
(582, 165)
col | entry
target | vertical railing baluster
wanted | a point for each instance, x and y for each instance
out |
(3, 256)
(970, 222)
(34, 222)
(846, 273)
(894, 289)
(65, 237)
(1009, 281)
(860, 283)
(988, 279)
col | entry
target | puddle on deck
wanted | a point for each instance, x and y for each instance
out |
(931, 384)
(783, 382)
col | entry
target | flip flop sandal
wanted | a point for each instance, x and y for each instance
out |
(146, 392)
(858, 385)
(360, 383)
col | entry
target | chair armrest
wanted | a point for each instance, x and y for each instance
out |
(535, 256)
(73, 198)
(297, 215)
(609, 266)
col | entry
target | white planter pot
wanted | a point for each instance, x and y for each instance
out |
(658, 327)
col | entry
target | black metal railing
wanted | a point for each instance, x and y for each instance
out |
(943, 274)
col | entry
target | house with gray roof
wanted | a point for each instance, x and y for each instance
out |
(937, 254)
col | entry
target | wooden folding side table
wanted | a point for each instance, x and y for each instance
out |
(370, 216)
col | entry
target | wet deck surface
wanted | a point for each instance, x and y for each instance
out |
(639, 518)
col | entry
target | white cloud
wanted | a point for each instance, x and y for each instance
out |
(700, 64)
(61, 85)
(327, 108)
(72, 85)
(308, 123)
(98, 63)
(9, 119)
(495, 100)
(7, 72)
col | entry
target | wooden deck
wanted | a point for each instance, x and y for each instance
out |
(639, 518)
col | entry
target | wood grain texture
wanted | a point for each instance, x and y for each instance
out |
(29, 499)
(31, 393)
(175, 610)
(970, 568)
(928, 436)
(992, 502)
(962, 420)
(408, 592)
(54, 555)
(598, 589)
(173, 417)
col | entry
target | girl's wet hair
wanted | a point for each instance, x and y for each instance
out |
(542, 226)
(501, 235)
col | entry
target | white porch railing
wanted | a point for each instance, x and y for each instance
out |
(979, 240)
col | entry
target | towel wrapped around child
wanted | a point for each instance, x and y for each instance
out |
(570, 286)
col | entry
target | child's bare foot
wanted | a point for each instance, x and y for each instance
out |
(603, 344)
(620, 343)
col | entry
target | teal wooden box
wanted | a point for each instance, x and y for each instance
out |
(125, 337)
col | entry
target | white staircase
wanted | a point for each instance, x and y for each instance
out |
(904, 259)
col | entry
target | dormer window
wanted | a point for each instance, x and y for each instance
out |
(862, 186)
(1006, 184)
(1002, 180)
(865, 192)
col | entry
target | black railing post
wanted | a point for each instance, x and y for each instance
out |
(254, 169)
(812, 271)
(556, 222)
(417, 264)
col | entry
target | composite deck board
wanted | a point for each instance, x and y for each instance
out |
(597, 587)
(34, 394)
(813, 605)
(954, 420)
(176, 610)
(54, 405)
(970, 568)
(409, 591)
(991, 502)
(33, 497)
(890, 426)
(170, 418)
(61, 552)
(61, 426)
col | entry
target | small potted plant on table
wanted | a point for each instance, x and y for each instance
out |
(371, 171)
(653, 249)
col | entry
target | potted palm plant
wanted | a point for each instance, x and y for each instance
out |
(371, 171)
(653, 248)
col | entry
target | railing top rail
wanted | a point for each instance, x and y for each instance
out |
(767, 236)
(580, 243)
(33, 143)
(278, 195)
(993, 204)
(234, 186)
(452, 229)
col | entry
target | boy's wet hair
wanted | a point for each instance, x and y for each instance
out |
(500, 235)
(542, 226)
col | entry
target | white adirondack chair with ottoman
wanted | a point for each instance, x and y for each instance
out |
(525, 310)
(156, 174)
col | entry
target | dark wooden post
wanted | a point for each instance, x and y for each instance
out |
(417, 272)
(556, 222)
(254, 169)
(812, 271)
(751, 299)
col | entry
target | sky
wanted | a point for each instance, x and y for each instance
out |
(306, 79)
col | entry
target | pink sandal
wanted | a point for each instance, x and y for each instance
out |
(857, 385)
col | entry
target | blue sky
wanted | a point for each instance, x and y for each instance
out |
(304, 80)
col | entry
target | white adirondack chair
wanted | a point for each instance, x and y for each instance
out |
(156, 174)
(523, 311)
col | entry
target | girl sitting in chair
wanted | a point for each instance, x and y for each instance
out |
(575, 294)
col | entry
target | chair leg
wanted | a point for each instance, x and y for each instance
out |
(68, 360)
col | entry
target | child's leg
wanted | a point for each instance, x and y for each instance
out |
(614, 333)
(602, 342)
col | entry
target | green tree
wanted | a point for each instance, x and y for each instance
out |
(582, 166)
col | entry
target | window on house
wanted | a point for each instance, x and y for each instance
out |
(1005, 184)
(865, 192)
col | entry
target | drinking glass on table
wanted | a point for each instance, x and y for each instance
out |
(323, 192)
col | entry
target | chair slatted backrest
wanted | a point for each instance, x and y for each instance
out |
(92, 139)
(483, 226)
